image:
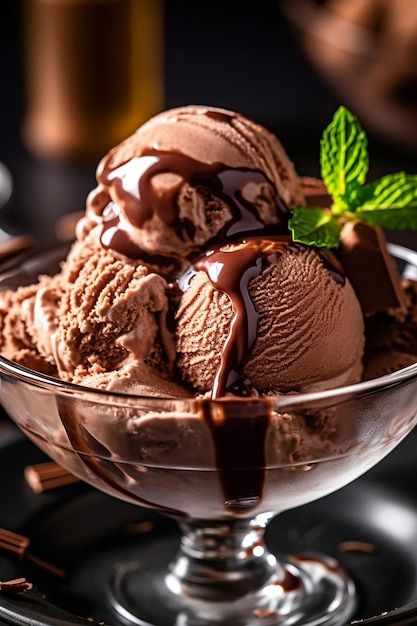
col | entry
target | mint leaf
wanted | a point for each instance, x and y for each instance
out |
(390, 202)
(314, 227)
(343, 158)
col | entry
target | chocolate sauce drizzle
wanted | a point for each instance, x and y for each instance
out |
(239, 428)
(230, 270)
(132, 183)
(220, 116)
(115, 236)
(239, 434)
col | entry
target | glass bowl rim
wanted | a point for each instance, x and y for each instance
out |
(281, 402)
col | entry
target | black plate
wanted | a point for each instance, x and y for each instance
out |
(85, 532)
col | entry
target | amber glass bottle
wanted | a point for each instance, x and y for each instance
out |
(93, 72)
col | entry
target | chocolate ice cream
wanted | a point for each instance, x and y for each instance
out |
(113, 310)
(28, 317)
(201, 197)
(188, 279)
(187, 177)
(190, 179)
(268, 315)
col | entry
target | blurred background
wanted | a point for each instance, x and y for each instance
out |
(79, 75)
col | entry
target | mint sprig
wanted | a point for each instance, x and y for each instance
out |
(343, 157)
(389, 202)
(315, 227)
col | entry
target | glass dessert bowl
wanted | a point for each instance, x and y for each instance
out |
(223, 468)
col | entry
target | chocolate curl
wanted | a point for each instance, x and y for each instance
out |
(18, 545)
(359, 547)
(15, 586)
(46, 476)
(371, 269)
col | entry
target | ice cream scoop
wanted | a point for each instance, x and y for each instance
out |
(269, 315)
(112, 313)
(207, 195)
(27, 317)
(187, 177)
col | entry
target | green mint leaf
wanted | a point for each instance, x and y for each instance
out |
(315, 227)
(343, 158)
(390, 202)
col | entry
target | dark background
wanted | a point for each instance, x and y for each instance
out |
(241, 56)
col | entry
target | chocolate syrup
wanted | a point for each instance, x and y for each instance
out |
(114, 236)
(332, 265)
(230, 271)
(136, 195)
(239, 428)
(219, 116)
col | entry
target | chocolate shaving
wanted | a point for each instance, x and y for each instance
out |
(361, 547)
(46, 476)
(18, 545)
(264, 613)
(15, 586)
(140, 528)
(370, 269)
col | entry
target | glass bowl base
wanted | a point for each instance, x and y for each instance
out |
(308, 590)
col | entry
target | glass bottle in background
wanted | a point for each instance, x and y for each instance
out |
(93, 73)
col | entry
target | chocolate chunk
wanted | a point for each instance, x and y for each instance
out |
(363, 252)
(46, 476)
(361, 547)
(370, 268)
(15, 586)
